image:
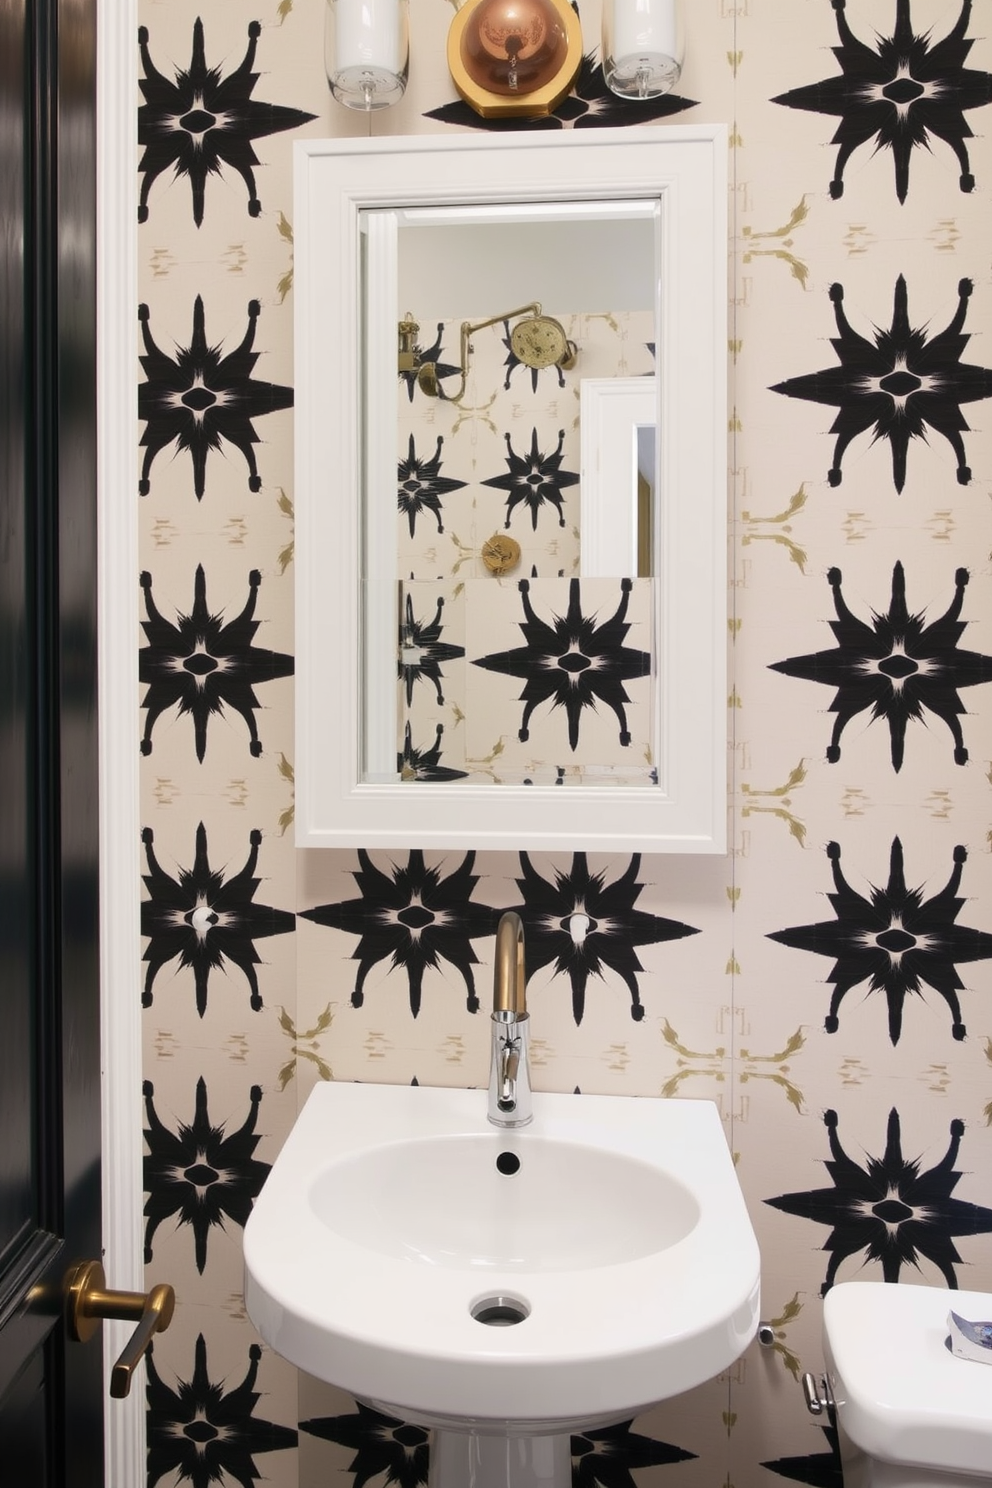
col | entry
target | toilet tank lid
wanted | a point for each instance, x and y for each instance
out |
(902, 1395)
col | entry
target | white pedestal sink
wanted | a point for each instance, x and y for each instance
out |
(505, 1288)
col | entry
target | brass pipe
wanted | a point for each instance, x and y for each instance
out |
(427, 371)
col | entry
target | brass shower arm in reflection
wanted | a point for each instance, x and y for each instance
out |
(469, 330)
(427, 379)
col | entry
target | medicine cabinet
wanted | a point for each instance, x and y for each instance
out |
(511, 457)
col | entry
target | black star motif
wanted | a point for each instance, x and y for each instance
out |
(533, 479)
(889, 1209)
(573, 661)
(899, 93)
(424, 764)
(382, 1445)
(422, 650)
(204, 121)
(606, 1458)
(902, 384)
(205, 1436)
(385, 1446)
(897, 666)
(205, 921)
(201, 664)
(582, 923)
(199, 1173)
(203, 398)
(820, 1470)
(421, 485)
(416, 918)
(590, 105)
(896, 940)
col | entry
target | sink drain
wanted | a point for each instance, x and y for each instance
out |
(500, 1312)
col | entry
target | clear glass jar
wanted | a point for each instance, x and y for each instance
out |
(367, 51)
(643, 46)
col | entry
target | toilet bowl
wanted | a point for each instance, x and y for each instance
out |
(909, 1413)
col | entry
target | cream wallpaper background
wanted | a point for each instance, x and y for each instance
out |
(246, 1005)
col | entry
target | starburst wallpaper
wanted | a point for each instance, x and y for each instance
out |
(828, 984)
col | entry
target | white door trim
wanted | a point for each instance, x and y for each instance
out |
(117, 300)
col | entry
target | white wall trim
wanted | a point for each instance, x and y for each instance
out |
(117, 298)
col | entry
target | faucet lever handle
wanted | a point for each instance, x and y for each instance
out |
(509, 1064)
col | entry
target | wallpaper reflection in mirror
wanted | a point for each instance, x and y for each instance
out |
(536, 673)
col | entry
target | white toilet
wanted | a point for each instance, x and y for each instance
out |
(909, 1413)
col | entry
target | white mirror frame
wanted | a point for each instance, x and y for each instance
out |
(684, 168)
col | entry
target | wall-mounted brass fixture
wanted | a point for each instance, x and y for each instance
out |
(514, 59)
(501, 553)
(408, 329)
(409, 357)
(538, 341)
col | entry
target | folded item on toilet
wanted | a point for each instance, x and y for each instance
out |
(970, 1340)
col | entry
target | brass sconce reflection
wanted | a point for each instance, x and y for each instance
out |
(538, 341)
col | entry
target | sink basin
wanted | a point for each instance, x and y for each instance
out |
(523, 1282)
(385, 1201)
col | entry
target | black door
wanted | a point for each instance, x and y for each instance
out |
(50, 1391)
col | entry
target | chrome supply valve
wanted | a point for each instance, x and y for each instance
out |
(509, 1070)
(816, 1403)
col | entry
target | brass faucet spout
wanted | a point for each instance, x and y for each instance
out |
(509, 980)
(510, 1102)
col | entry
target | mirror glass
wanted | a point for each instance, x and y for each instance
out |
(509, 607)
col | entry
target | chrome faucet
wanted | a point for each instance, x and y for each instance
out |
(509, 1070)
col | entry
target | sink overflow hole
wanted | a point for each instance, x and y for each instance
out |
(508, 1162)
(500, 1312)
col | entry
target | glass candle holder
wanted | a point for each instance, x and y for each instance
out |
(367, 51)
(643, 46)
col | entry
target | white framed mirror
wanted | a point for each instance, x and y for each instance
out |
(479, 663)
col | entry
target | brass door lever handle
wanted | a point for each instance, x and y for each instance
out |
(88, 1300)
